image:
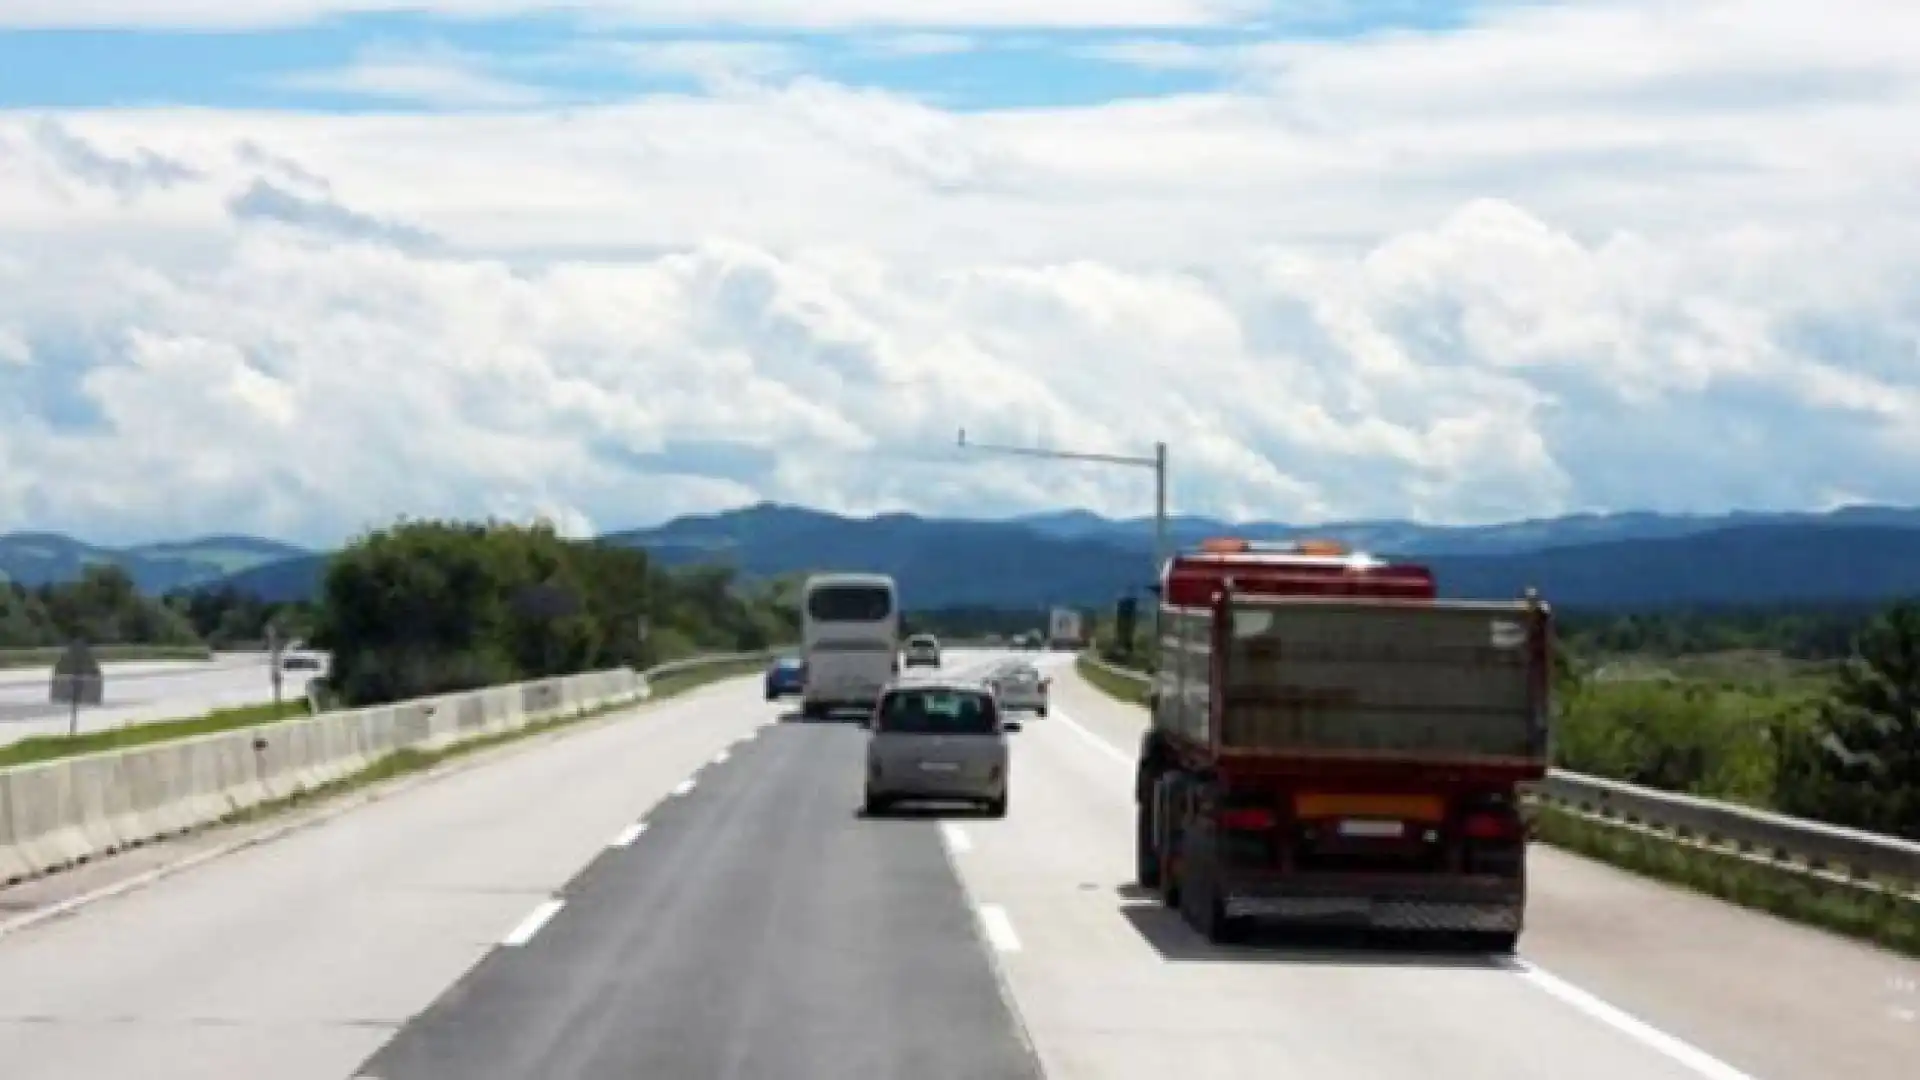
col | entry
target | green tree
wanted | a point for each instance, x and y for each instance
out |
(1859, 762)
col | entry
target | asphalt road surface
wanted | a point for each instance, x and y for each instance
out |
(142, 692)
(689, 891)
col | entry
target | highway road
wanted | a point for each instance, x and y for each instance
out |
(141, 692)
(689, 890)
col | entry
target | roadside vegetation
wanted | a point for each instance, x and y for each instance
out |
(423, 607)
(432, 607)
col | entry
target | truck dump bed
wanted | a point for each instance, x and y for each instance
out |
(1440, 682)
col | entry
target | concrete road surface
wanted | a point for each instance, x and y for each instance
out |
(142, 692)
(689, 892)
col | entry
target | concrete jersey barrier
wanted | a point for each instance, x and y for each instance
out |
(57, 813)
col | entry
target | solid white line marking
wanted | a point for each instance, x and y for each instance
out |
(1692, 1057)
(1086, 733)
(721, 758)
(956, 837)
(1679, 1050)
(629, 834)
(999, 928)
(531, 925)
(683, 786)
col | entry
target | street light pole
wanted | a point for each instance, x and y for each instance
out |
(1158, 463)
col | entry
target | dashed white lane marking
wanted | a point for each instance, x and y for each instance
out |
(721, 758)
(683, 786)
(999, 928)
(629, 834)
(956, 837)
(531, 925)
(1671, 1046)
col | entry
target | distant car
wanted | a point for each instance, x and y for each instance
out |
(299, 662)
(923, 650)
(937, 742)
(786, 675)
(1021, 688)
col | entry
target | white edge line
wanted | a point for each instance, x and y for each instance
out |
(1077, 728)
(531, 925)
(629, 834)
(683, 786)
(956, 837)
(1673, 1047)
(1679, 1050)
(999, 928)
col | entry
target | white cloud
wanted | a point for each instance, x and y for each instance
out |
(923, 44)
(437, 76)
(815, 14)
(717, 63)
(1329, 303)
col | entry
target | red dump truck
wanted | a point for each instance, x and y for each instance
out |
(1334, 745)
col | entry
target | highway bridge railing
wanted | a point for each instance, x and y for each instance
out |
(63, 812)
(1833, 853)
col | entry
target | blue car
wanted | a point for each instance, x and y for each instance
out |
(786, 676)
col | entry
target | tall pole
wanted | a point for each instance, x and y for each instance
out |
(1158, 463)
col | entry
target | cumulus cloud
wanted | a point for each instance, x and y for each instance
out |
(435, 76)
(1625, 292)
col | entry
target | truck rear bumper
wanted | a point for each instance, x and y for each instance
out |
(1451, 904)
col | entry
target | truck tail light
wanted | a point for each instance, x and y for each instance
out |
(1492, 825)
(1248, 819)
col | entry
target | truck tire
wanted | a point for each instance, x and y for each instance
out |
(1146, 859)
(1502, 943)
(1166, 838)
(997, 807)
(875, 805)
(1201, 905)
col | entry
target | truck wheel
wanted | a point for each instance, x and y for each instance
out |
(1201, 904)
(1041, 711)
(876, 805)
(1146, 861)
(997, 807)
(1501, 944)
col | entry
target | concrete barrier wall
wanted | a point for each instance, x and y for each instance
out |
(61, 812)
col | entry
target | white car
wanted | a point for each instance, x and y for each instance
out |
(923, 650)
(1020, 688)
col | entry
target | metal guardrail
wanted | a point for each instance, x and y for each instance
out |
(1832, 852)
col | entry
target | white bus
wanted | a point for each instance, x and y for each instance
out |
(849, 640)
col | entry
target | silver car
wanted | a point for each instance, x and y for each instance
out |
(1020, 688)
(937, 741)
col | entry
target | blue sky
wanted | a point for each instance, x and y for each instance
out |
(320, 65)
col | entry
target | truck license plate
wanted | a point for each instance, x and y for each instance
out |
(939, 766)
(1364, 827)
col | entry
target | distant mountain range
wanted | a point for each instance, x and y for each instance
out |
(1639, 561)
(42, 558)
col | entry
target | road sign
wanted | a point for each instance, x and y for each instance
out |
(77, 681)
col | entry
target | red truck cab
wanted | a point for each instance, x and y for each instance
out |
(1333, 744)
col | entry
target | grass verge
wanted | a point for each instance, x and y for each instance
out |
(1131, 691)
(1884, 919)
(39, 748)
(106, 654)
